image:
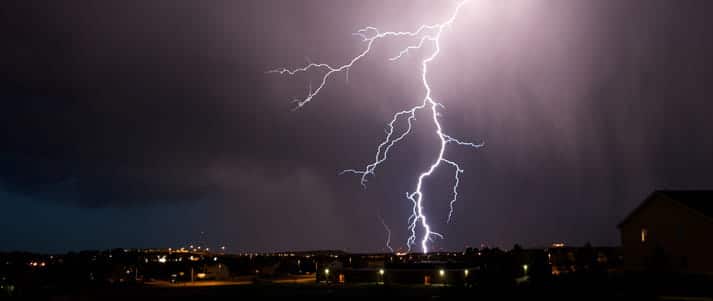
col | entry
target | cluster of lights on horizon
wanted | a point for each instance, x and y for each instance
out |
(425, 35)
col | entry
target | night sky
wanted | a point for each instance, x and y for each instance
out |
(145, 123)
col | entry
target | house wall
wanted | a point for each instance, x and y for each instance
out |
(679, 239)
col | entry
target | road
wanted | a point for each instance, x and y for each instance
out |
(247, 281)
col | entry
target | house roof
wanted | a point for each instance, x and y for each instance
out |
(697, 200)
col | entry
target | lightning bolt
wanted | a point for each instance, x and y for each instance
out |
(388, 233)
(424, 35)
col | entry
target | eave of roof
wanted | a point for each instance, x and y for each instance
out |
(677, 196)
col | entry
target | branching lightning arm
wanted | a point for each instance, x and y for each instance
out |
(428, 39)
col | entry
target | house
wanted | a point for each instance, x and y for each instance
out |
(670, 232)
(217, 271)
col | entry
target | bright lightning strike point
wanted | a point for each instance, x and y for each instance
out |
(425, 35)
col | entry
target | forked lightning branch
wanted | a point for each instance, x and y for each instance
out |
(425, 38)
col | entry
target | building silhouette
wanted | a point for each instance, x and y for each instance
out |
(670, 232)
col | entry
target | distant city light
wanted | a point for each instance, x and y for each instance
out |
(524, 268)
(200, 275)
(215, 258)
(442, 272)
(326, 271)
(381, 272)
(466, 273)
(162, 259)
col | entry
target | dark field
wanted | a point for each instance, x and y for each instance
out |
(579, 289)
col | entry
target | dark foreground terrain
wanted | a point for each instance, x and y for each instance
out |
(566, 289)
(558, 273)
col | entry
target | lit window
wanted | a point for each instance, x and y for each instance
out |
(644, 234)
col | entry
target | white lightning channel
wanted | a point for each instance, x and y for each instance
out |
(426, 35)
(388, 233)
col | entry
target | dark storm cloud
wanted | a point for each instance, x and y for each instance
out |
(120, 103)
(112, 104)
(584, 107)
